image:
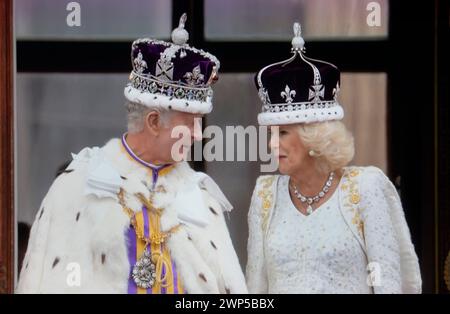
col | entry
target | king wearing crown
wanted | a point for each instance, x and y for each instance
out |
(132, 216)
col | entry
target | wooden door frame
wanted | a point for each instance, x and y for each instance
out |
(7, 217)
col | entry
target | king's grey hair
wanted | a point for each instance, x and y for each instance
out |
(136, 114)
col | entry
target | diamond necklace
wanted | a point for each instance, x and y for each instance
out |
(316, 198)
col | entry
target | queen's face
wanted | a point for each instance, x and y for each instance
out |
(287, 146)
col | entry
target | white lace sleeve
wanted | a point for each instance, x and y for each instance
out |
(377, 197)
(256, 271)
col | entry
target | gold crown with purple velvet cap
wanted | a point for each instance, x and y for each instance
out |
(172, 75)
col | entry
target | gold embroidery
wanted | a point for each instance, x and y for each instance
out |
(356, 220)
(354, 172)
(353, 199)
(266, 198)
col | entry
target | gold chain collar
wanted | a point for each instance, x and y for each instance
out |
(158, 236)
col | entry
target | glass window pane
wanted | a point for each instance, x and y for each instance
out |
(273, 20)
(100, 19)
(59, 114)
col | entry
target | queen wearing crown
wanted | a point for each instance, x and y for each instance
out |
(321, 226)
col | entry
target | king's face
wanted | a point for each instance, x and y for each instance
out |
(178, 135)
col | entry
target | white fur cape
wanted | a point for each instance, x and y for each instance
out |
(81, 228)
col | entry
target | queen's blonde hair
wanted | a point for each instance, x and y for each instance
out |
(331, 143)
